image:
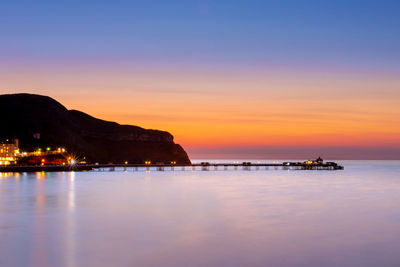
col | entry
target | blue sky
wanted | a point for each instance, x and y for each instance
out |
(347, 34)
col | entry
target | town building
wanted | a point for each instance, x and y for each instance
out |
(9, 152)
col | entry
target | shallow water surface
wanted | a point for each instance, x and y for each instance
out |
(203, 218)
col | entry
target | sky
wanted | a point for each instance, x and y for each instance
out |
(229, 79)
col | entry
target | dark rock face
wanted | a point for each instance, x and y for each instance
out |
(25, 116)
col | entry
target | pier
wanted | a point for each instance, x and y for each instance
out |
(203, 166)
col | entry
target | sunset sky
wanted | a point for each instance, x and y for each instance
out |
(229, 79)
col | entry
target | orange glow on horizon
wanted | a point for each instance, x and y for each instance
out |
(211, 110)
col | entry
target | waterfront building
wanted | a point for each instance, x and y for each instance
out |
(9, 152)
(45, 156)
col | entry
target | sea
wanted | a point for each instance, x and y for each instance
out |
(188, 217)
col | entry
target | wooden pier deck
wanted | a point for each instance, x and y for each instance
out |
(205, 166)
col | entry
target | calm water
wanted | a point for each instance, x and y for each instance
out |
(215, 218)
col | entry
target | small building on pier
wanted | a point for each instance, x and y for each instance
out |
(318, 161)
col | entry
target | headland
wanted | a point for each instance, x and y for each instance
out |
(38, 130)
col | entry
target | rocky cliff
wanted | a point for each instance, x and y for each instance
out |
(40, 121)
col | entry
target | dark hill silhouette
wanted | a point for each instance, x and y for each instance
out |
(24, 115)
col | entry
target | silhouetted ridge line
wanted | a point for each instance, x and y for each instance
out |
(29, 116)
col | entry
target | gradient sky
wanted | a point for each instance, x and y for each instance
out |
(237, 79)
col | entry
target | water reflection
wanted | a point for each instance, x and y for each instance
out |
(38, 244)
(70, 225)
(215, 218)
(40, 175)
(71, 191)
(4, 175)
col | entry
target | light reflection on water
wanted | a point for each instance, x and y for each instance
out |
(203, 218)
